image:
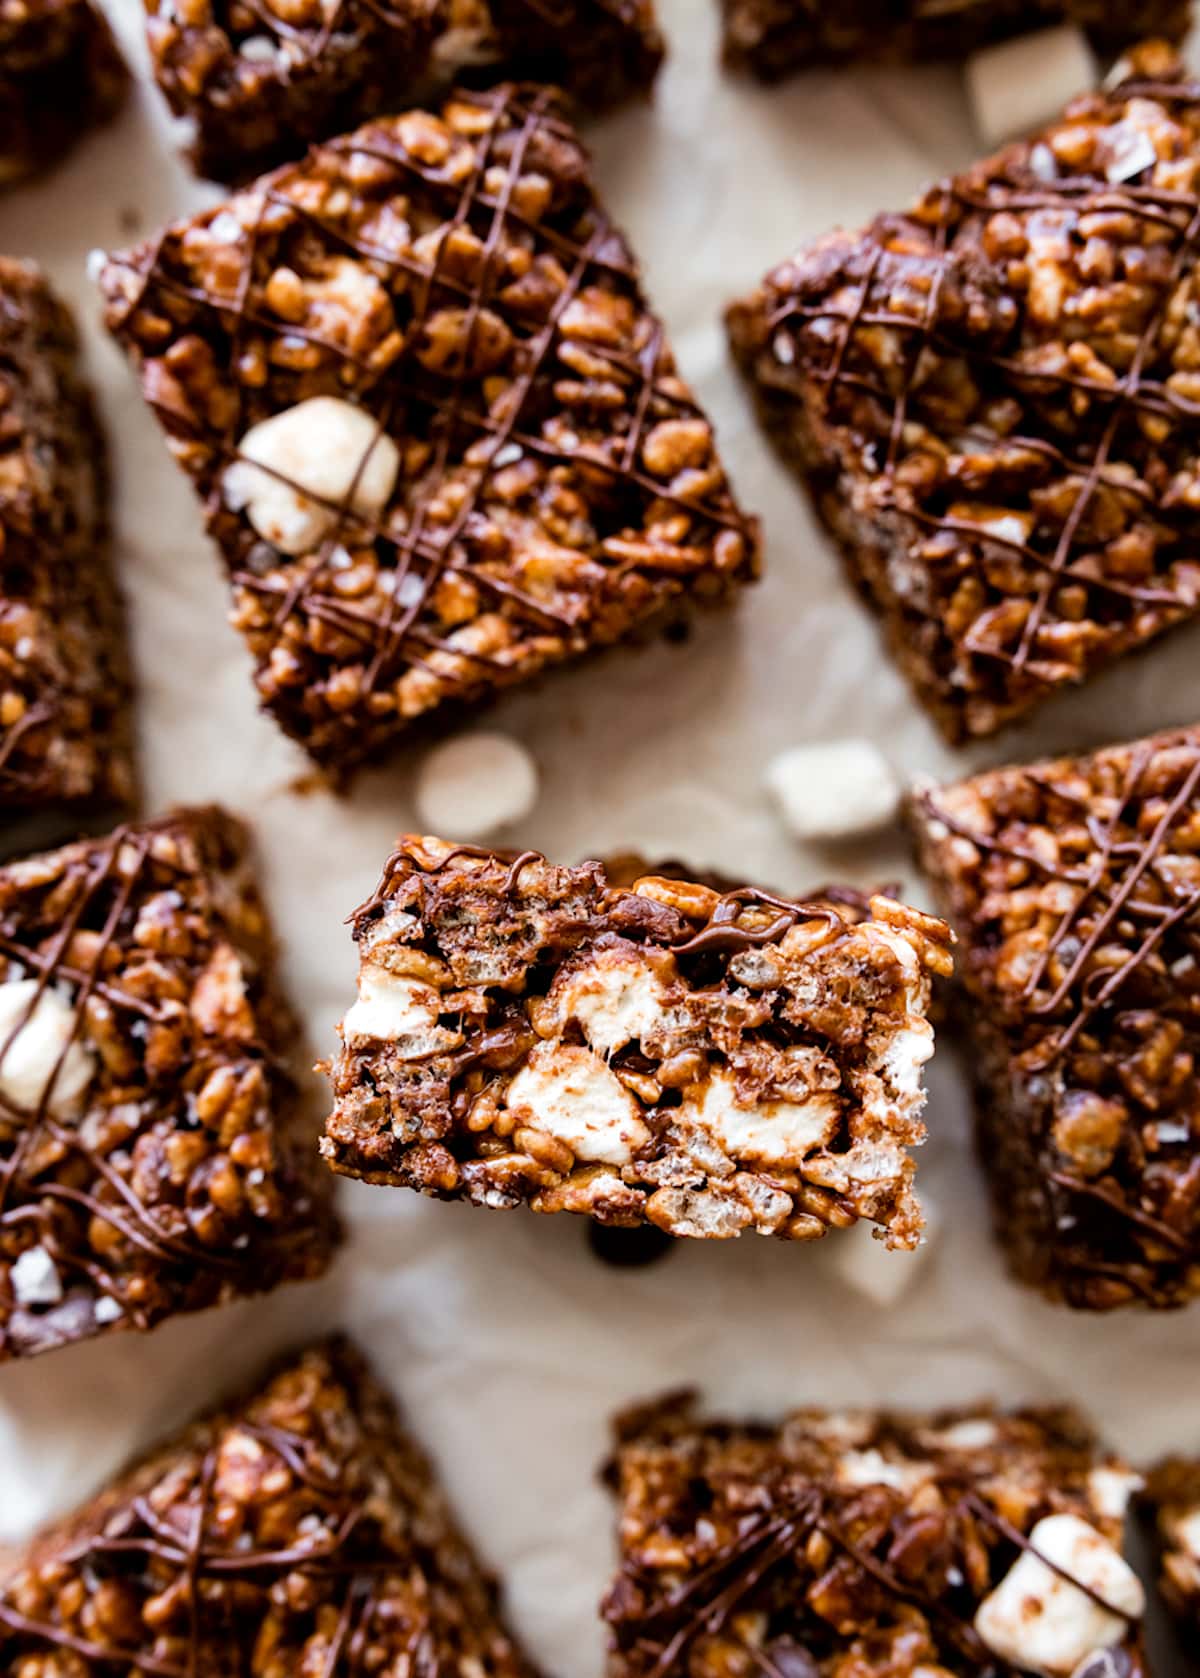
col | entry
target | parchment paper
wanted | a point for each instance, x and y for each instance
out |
(509, 1344)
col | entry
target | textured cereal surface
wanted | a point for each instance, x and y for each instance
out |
(707, 1060)
(64, 682)
(259, 82)
(60, 73)
(155, 1151)
(1075, 889)
(839, 1543)
(543, 481)
(774, 37)
(994, 397)
(1172, 1499)
(297, 1531)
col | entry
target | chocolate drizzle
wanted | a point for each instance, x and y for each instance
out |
(1091, 990)
(301, 1522)
(463, 433)
(724, 934)
(84, 1188)
(1118, 895)
(776, 1570)
(993, 399)
(64, 687)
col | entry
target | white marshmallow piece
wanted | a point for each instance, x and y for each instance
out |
(571, 1093)
(35, 1279)
(767, 1132)
(1018, 86)
(322, 447)
(1042, 1622)
(1187, 1532)
(973, 1433)
(869, 1269)
(389, 1007)
(833, 789)
(1111, 1490)
(872, 1468)
(475, 784)
(35, 1037)
(616, 1001)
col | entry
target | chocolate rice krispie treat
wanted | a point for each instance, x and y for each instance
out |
(995, 399)
(298, 1531)
(65, 736)
(772, 38)
(258, 83)
(438, 433)
(1172, 1498)
(1074, 887)
(856, 1545)
(156, 1154)
(60, 74)
(660, 1052)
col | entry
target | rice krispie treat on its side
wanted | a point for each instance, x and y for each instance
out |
(1074, 886)
(995, 399)
(297, 1531)
(156, 1154)
(708, 1062)
(1172, 1497)
(65, 735)
(772, 38)
(258, 83)
(849, 1545)
(60, 74)
(439, 435)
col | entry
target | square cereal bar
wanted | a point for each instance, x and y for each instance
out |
(994, 397)
(258, 83)
(65, 735)
(298, 1531)
(1074, 887)
(156, 1153)
(654, 1052)
(856, 1545)
(1172, 1498)
(60, 74)
(439, 436)
(772, 38)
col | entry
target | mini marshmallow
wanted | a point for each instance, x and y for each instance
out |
(1017, 86)
(322, 447)
(35, 1279)
(571, 1093)
(389, 1007)
(1111, 1489)
(107, 1309)
(833, 789)
(765, 1132)
(1187, 1532)
(872, 1468)
(35, 1037)
(869, 1269)
(1042, 1622)
(615, 999)
(472, 785)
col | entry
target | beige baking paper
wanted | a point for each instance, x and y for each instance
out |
(509, 1344)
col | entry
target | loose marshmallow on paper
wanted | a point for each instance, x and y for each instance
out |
(833, 789)
(1017, 86)
(470, 786)
(867, 1266)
